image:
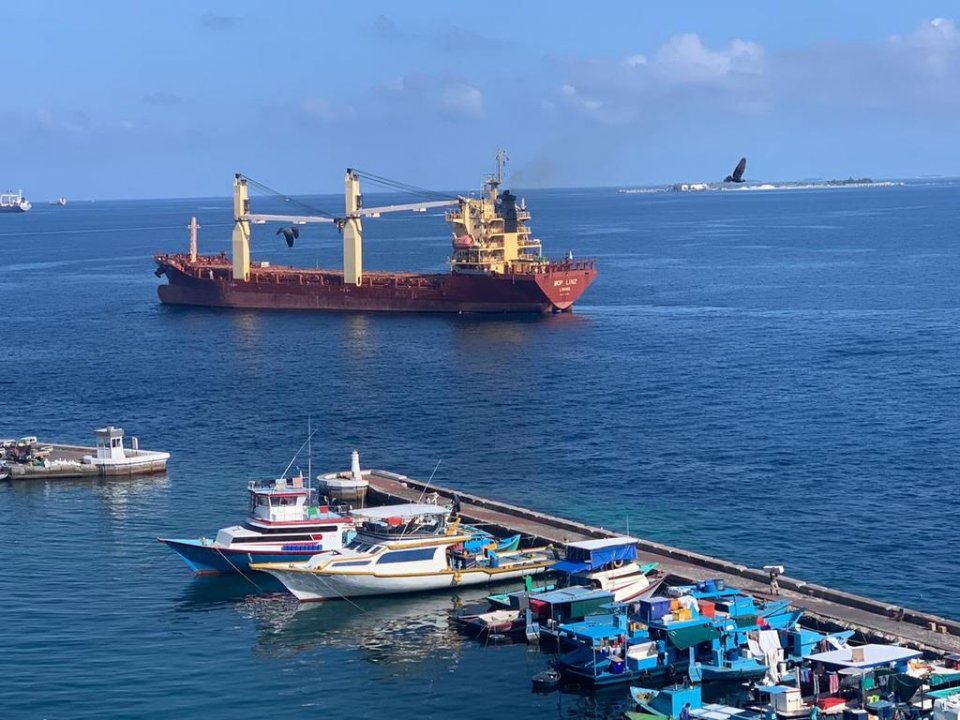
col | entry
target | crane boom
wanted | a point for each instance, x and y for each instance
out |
(349, 224)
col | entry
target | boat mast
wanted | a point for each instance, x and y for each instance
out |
(309, 459)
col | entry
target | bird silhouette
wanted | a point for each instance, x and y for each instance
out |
(289, 234)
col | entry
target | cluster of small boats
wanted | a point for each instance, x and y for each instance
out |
(607, 618)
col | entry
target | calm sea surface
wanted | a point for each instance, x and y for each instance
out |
(767, 377)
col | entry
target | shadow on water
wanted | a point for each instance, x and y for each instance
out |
(216, 591)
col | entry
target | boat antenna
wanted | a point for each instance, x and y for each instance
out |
(294, 458)
(420, 499)
(429, 480)
(310, 460)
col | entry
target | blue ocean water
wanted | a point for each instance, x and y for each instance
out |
(767, 377)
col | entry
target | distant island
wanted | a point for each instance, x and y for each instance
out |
(850, 182)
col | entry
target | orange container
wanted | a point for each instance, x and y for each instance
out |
(674, 604)
(708, 609)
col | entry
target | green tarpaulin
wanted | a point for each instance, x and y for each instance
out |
(686, 637)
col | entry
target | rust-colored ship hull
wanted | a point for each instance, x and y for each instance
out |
(208, 281)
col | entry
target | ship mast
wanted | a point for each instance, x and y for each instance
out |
(240, 245)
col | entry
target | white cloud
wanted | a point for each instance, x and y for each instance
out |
(684, 58)
(935, 45)
(462, 99)
(910, 73)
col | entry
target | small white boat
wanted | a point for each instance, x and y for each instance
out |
(404, 549)
(349, 487)
(113, 458)
(59, 202)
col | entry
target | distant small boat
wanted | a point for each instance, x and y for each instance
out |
(14, 202)
(60, 201)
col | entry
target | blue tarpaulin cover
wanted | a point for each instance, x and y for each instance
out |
(594, 554)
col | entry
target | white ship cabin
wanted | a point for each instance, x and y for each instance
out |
(111, 454)
(285, 511)
(284, 500)
(396, 522)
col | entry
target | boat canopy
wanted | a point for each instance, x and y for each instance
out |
(865, 656)
(405, 511)
(594, 554)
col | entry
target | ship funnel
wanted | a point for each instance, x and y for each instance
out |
(355, 465)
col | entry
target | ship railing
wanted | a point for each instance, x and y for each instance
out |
(541, 268)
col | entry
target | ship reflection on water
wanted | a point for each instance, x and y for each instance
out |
(392, 631)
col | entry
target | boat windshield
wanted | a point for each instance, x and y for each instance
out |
(362, 547)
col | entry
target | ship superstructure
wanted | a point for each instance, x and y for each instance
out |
(496, 264)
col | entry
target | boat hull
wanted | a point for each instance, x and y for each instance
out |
(211, 559)
(208, 282)
(309, 586)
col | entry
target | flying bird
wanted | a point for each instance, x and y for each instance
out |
(289, 234)
(737, 176)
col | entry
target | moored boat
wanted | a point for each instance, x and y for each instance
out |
(403, 549)
(284, 523)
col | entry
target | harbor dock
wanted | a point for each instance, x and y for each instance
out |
(31, 459)
(873, 620)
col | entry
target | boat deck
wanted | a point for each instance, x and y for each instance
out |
(66, 462)
(875, 621)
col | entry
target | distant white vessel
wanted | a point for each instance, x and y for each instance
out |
(14, 202)
(60, 201)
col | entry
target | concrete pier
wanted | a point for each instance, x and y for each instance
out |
(875, 621)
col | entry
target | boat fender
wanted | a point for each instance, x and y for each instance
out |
(456, 577)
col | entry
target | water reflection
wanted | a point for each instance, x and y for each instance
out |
(204, 594)
(123, 497)
(359, 338)
(248, 323)
(395, 631)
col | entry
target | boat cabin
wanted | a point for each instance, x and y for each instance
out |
(391, 522)
(284, 501)
(590, 555)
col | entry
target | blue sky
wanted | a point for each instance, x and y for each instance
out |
(150, 99)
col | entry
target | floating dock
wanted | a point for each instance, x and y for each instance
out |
(873, 620)
(32, 459)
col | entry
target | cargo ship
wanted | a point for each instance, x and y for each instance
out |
(496, 265)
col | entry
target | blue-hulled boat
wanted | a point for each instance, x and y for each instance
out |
(669, 701)
(284, 524)
(730, 637)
